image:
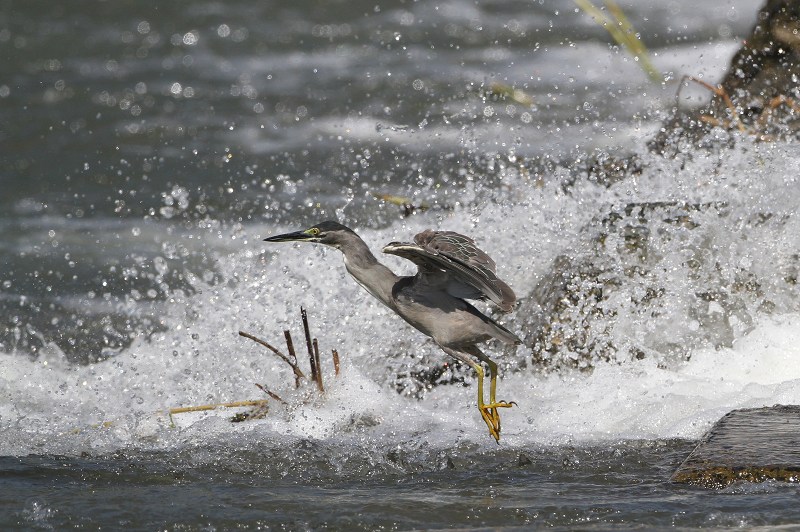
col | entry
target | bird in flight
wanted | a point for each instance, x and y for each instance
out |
(450, 270)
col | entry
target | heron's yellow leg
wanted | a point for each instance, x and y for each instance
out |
(489, 411)
(493, 402)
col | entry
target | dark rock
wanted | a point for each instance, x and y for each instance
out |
(763, 84)
(617, 298)
(752, 445)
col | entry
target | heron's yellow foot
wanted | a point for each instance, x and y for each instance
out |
(492, 418)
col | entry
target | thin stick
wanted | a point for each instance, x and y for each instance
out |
(772, 105)
(336, 362)
(201, 408)
(290, 347)
(314, 368)
(720, 91)
(622, 31)
(273, 395)
(298, 373)
(319, 366)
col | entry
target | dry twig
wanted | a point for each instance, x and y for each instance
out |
(298, 373)
(291, 359)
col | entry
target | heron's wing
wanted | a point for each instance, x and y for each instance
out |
(451, 259)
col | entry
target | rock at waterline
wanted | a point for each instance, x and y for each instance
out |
(759, 96)
(751, 444)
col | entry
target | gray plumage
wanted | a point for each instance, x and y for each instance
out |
(454, 260)
(451, 269)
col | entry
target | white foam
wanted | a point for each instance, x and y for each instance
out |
(47, 405)
(642, 400)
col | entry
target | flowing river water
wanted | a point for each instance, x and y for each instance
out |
(147, 148)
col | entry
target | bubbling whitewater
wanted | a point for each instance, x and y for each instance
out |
(51, 406)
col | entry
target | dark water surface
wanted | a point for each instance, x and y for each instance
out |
(617, 486)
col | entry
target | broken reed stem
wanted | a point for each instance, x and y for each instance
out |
(290, 347)
(298, 373)
(312, 362)
(633, 42)
(313, 358)
(319, 366)
(271, 394)
(201, 408)
(623, 33)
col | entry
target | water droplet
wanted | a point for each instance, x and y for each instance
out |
(190, 38)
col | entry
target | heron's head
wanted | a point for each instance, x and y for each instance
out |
(329, 233)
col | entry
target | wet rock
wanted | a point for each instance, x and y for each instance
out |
(617, 298)
(762, 84)
(422, 374)
(602, 168)
(752, 445)
(565, 323)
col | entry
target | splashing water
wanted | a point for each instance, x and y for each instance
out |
(656, 294)
(52, 406)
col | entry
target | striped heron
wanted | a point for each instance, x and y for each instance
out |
(450, 269)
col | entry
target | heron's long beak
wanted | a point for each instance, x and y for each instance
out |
(297, 236)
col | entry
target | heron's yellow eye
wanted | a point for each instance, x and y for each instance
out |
(313, 231)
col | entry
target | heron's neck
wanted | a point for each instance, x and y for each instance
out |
(368, 272)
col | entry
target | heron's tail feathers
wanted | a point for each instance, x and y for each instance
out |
(503, 334)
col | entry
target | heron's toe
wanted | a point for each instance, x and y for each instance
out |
(502, 404)
(492, 418)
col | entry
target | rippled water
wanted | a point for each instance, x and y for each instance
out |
(615, 486)
(148, 148)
